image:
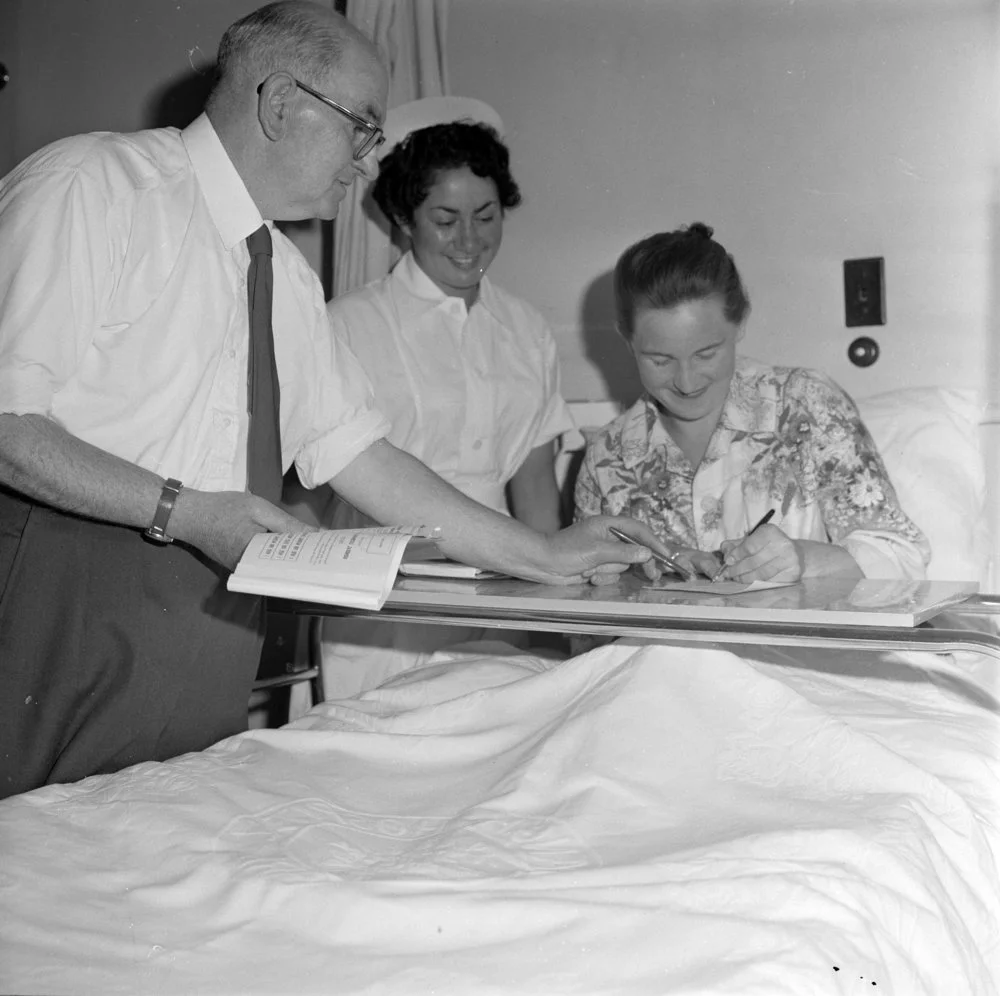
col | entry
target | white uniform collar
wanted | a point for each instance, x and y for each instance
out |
(423, 295)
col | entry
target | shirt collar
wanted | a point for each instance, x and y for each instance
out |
(421, 295)
(751, 406)
(229, 202)
(753, 400)
(641, 422)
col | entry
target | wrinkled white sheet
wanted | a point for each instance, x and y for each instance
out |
(640, 819)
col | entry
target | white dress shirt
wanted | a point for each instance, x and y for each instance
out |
(469, 391)
(123, 312)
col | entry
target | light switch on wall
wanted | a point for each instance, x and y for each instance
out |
(864, 291)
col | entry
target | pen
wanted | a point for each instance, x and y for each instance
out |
(660, 558)
(762, 521)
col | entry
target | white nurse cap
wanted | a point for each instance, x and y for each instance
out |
(417, 114)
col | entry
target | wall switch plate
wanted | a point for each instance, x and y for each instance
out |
(864, 291)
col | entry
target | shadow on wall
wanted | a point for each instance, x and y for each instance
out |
(375, 215)
(603, 346)
(179, 101)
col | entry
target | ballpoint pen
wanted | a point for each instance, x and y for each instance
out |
(762, 521)
(660, 558)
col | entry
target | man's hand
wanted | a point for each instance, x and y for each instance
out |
(695, 563)
(587, 550)
(43, 461)
(221, 523)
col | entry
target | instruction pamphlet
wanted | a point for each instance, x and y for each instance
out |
(351, 567)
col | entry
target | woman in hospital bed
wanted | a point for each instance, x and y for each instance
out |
(466, 372)
(717, 441)
(641, 818)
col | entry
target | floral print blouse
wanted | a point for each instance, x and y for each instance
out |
(788, 439)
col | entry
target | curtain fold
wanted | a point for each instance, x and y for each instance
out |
(411, 37)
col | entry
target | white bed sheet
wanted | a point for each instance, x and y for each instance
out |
(640, 819)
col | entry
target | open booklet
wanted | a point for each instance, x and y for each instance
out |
(351, 567)
(718, 587)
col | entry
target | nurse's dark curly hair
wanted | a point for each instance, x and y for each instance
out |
(407, 174)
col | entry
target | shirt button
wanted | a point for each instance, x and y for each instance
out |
(231, 354)
(478, 444)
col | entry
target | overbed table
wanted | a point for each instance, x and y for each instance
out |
(868, 614)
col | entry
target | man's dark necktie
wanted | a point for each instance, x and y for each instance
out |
(263, 393)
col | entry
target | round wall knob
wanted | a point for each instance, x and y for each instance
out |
(863, 352)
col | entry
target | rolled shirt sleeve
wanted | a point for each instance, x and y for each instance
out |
(346, 420)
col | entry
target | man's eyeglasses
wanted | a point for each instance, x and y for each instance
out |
(373, 133)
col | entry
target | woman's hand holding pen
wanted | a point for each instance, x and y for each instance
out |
(764, 554)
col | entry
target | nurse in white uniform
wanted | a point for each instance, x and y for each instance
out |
(466, 372)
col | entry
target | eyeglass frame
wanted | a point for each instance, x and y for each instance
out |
(375, 134)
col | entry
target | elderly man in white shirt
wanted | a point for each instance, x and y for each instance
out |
(124, 361)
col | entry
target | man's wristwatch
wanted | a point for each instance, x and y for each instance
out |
(157, 532)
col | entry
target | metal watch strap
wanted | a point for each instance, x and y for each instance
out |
(158, 530)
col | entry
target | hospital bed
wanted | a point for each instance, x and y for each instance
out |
(645, 818)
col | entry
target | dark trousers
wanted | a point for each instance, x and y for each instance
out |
(113, 650)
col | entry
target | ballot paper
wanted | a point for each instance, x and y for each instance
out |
(447, 569)
(424, 559)
(718, 587)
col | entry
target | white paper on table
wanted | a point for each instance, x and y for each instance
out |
(719, 587)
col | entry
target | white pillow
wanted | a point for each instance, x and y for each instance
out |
(929, 440)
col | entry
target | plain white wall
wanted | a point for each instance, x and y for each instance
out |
(805, 131)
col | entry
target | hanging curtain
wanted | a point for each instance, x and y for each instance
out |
(410, 35)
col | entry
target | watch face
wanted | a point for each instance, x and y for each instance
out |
(157, 535)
